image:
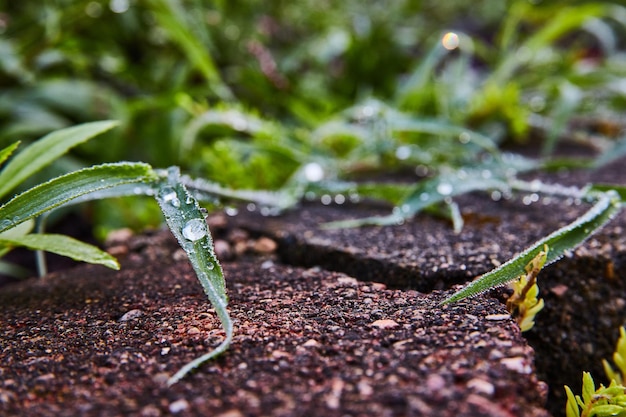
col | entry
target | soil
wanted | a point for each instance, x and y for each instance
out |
(327, 322)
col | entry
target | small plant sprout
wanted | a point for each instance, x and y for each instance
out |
(604, 401)
(523, 303)
(619, 357)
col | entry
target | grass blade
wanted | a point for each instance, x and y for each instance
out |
(187, 223)
(6, 152)
(46, 150)
(565, 239)
(65, 246)
(65, 188)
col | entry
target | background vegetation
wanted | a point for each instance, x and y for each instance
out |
(246, 93)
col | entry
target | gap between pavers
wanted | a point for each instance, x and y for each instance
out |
(90, 341)
(585, 293)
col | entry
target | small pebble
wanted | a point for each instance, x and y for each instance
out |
(178, 406)
(310, 343)
(559, 290)
(193, 330)
(481, 386)
(265, 245)
(223, 251)
(497, 317)
(385, 324)
(131, 315)
(517, 364)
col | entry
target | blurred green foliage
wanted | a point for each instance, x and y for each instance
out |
(246, 92)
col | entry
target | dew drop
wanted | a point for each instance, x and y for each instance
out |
(340, 199)
(465, 138)
(194, 229)
(189, 200)
(444, 188)
(210, 266)
(171, 198)
(313, 172)
(424, 196)
(231, 211)
(496, 195)
(403, 152)
(5, 224)
(450, 41)
(326, 199)
(251, 207)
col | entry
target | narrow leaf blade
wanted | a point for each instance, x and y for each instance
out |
(188, 225)
(64, 246)
(46, 150)
(6, 152)
(559, 242)
(60, 190)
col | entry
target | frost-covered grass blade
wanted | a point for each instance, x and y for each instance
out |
(565, 239)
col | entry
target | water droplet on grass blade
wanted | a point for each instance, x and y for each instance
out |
(313, 172)
(403, 152)
(340, 199)
(465, 138)
(172, 199)
(5, 224)
(450, 41)
(194, 229)
(444, 188)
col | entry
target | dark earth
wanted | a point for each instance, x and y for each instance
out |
(327, 322)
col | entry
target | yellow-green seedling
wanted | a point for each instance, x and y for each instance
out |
(601, 402)
(619, 358)
(604, 401)
(523, 304)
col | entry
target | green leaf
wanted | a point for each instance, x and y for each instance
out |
(571, 409)
(188, 225)
(606, 410)
(65, 246)
(12, 270)
(619, 189)
(6, 152)
(565, 239)
(589, 388)
(65, 188)
(429, 192)
(46, 150)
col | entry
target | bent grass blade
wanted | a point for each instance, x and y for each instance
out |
(559, 242)
(188, 225)
(64, 246)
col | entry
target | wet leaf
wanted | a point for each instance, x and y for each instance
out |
(565, 239)
(187, 223)
(65, 188)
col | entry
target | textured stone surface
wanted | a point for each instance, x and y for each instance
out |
(308, 342)
(359, 332)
